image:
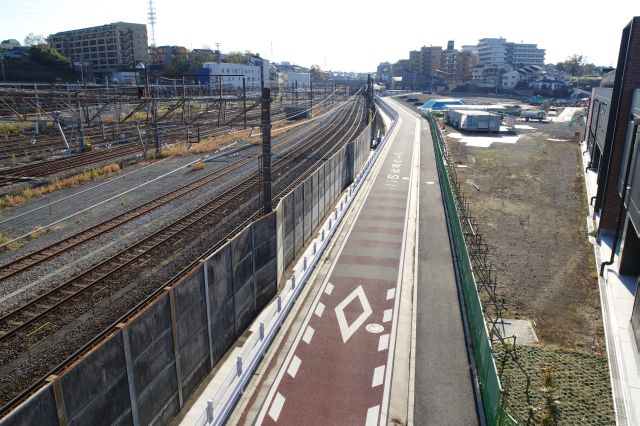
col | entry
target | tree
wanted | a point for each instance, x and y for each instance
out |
(576, 65)
(33, 39)
(316, 72)
(47, 55)
(236, 58)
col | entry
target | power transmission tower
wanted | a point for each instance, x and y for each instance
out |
(151, 14)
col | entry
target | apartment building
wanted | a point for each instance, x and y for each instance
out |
(106, 48)
(497, 51)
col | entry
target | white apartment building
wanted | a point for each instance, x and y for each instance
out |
(497, 51)
(107, 47)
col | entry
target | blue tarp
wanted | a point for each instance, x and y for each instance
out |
(440, 104)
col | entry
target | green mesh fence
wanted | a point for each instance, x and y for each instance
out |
(488, 375)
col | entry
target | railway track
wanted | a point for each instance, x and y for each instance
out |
(30, 315)
(58, 248)
(128, 146)
(75, 348)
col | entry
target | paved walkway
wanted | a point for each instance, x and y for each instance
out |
(349, 361)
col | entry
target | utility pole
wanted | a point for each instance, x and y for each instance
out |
(310, 98)
(372, 105)
(368, 97)
(244, 99)
(266, 149)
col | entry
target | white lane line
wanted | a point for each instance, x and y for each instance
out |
(294, 366)
(276, 407)
(383, 342)
(308, 335)
(391, 293)
(378, 376)
(388, 313)
(329, 289)
(372, 416)
(319, 309)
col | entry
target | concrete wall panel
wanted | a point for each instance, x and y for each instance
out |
(265, 255)
(243, 284)
(221, 298)
(96, 389)
(280, 241)
(314, 200)
(191, 322)
(153, 359)
(308, 207)
(298, 208)
(154, 405)
(321, 192)
(288, 241)
(40, 409)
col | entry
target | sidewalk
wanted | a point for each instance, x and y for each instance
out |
(616, 297)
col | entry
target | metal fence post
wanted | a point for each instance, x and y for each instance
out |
(209, 411)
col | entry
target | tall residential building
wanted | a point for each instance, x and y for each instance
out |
(106, 48)
(492, 51)
(497, 51)
(456, 66)
(430, 58)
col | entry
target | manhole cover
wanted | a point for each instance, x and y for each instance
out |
(375, 328)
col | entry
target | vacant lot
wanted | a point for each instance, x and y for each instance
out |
(528, 198)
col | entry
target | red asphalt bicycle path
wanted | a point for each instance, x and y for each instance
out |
(337, 369)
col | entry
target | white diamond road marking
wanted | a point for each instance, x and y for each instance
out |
(308, 334)
(383, 342)
(294, 366)
(329, 289)
(391, 293)
(387, 315)
(319, 309)
(372, 416)
(345, 329)
(378, 376)
(276, 407)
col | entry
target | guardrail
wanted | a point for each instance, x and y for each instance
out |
(490, 386)
(221, 403)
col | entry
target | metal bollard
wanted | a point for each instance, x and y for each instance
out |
(330, 223)
(279, 303)
(304, 263)
(315, 249)
(322, 236)
(293, 281)
(210, 411)
(261, 328)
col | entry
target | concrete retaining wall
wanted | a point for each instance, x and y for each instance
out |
(145, 371)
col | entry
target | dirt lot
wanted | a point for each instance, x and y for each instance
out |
(532, 208)
(529, 199)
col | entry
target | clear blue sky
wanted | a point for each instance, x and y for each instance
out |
(347, 35)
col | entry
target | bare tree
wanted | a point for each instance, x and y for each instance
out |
(34, 39)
